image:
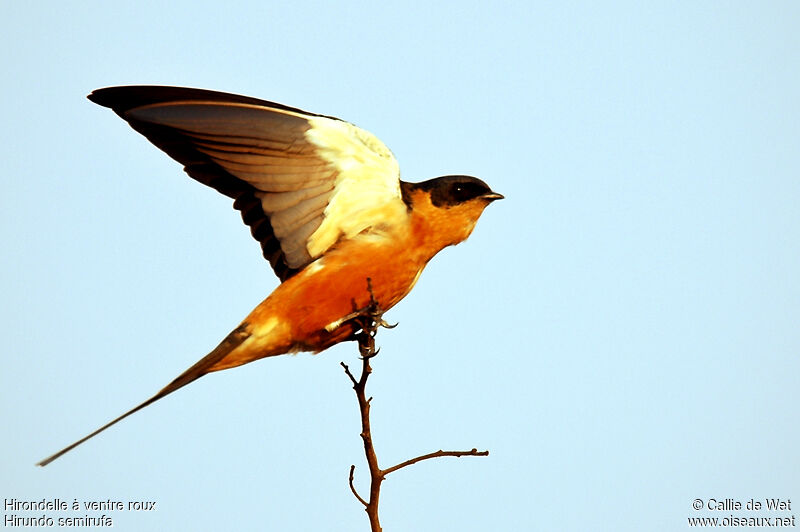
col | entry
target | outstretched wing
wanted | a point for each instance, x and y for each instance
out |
(301, 181)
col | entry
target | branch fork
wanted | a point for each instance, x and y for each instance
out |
(369, 319)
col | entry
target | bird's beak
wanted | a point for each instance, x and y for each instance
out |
(491, 196)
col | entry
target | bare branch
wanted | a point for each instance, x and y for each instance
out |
(353, 488)
(437, 454)
(347, 371)
(369, 319)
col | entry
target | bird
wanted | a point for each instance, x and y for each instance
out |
(323, 198)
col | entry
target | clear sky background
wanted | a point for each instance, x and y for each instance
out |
(621, 332)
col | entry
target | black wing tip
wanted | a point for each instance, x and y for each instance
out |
(122, 98)
(130, 95)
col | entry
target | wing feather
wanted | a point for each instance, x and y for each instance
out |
(281, 201)
(301, 181)
(295, 249)
(286, 220)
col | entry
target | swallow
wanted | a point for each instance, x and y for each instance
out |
(323, 198)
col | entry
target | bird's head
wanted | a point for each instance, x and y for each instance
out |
(448, 207)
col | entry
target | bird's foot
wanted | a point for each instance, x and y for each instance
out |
(369, 317)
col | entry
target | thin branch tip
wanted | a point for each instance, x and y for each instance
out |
(347, 372)
(353, 488)
(438, 454)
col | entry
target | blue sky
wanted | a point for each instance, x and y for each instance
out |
(621, 332)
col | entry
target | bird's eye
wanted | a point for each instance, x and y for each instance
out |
(461, 192)
(453, 190)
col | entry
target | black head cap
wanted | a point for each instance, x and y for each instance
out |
(451, 190)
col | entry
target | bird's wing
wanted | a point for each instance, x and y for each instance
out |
(301, 181)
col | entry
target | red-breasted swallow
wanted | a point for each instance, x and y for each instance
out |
(323, 198)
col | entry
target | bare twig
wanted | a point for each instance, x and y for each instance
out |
(347, 371)
(369, 319)
(353, 488)
(437, 454)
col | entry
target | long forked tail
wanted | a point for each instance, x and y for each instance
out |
(193, 373)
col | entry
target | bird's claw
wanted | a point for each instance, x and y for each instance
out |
(372, 311)
(385, 324)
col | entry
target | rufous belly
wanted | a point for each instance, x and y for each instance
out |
(295, 316)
